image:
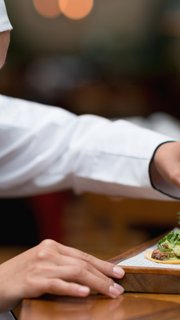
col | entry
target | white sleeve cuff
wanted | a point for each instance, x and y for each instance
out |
(158, 183)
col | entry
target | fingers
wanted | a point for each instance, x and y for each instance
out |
(65, 288)
(80, 274)
(103, 266)
(74, 266)
(79, 267)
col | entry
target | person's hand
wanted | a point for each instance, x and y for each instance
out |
(53, 268)
(167, 162)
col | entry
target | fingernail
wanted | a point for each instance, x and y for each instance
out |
(115, 290)
(84, 290)
(118, 271)
(118, 287)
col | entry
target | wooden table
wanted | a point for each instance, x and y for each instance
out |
(126, 307)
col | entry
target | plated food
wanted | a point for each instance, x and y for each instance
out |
(167, 249)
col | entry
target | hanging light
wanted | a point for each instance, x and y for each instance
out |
(47, 8)
(76, 9)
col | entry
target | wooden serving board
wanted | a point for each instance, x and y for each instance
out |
(151, 279)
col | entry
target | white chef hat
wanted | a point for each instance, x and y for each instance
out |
(4, 20)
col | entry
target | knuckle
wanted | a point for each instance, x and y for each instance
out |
(80, 270)
(109, 282)
(106, 285)
(43, 254)
(47, 243)
(77, 271)
(44, 249)
(51, 286)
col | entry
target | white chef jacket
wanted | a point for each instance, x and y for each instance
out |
(45, 148)
(4, 20)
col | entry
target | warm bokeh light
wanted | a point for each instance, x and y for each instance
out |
(47, 8)
(76, 9)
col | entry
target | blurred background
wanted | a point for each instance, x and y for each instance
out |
(117, 59)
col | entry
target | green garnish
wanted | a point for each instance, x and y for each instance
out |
(170, 243)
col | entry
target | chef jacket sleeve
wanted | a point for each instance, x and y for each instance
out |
(44, 149)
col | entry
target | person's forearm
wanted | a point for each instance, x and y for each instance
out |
(46, 149)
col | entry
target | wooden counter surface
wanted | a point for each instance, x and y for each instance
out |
(129, 306)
